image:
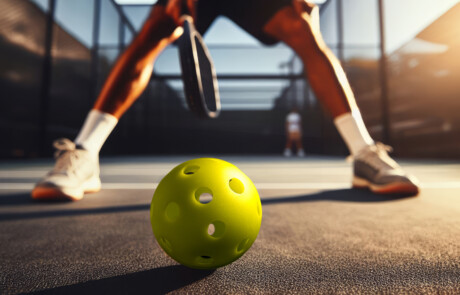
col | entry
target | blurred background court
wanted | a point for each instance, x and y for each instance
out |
(55, 55)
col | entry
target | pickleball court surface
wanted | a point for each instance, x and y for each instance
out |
(317, 234)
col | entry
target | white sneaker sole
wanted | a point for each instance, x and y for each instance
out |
(402, 188)
(50, 192)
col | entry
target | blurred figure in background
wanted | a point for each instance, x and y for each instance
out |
(294, 22)
(294, 133)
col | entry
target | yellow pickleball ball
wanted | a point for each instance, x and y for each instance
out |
(206, 213)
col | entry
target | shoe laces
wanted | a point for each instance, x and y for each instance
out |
(377, 156)
(66, 156)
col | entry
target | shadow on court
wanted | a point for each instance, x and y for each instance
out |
(155, 281)
(16, 199)
(73, 212)
(344, 195)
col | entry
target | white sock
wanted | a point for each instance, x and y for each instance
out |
(95, 130)
(353, 131)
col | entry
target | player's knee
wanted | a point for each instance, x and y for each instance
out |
(298, 31)
(303, 27)
(308, 11)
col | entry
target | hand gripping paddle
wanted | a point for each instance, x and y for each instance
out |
(198, 73)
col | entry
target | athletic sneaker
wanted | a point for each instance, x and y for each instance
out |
(76, 172)
(300, 153)
(287, 153)
(374, 169)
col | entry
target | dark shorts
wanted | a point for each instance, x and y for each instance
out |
(251, 15)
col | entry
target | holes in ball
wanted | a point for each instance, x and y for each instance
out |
(216, 229)
(211, 229)
(203, 195)
(172, 212)
(259, 209)
(205, 198)
(204, 260)
(236, 185)
(190, 170)
(242, 245)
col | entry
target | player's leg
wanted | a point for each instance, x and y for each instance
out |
(77, 168)
(288, 147)
(129, 77)
(299, 146)
(133, 70)
(297, 25)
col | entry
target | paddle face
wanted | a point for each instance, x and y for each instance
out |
(198, 73)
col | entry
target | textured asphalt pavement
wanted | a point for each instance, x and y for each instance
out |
(317, 234)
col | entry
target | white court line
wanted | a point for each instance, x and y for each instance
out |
(264, 186)
(122, 172)
(155, 172)
(163, 171)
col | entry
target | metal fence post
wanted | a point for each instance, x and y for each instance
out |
(95, 51)
(384, 78)
(46, 79)
(340, 30)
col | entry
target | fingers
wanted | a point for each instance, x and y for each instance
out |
(175, 9)
(304, 6)
(191, 4)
